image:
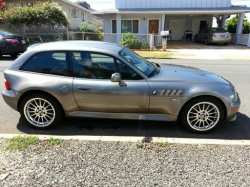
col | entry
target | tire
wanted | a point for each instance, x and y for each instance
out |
(14, 55)
(195, 39)
(206, 41)
(45, 115)
(202, 115)
(225, 43)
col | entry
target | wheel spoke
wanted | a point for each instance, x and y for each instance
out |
(203, 116)
(36, 112)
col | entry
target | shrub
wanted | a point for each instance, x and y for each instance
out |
(231, 25)
(144, 44)
(130, 41)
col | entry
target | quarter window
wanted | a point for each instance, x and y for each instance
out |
(55, 63)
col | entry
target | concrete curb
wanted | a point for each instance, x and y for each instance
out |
(136, 139)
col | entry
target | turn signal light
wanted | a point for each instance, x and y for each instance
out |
(7, 84)
(234, 108)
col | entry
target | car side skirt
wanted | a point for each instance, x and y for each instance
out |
(129, 116)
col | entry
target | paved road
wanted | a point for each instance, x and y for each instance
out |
(238, 72)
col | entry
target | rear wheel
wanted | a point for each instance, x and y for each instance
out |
(196, 39)
(206, 41)
(14, 55)
(202, 115)
(40, 111)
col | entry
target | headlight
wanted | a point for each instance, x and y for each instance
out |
(234, 97)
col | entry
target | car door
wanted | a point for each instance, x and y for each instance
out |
(94, 91)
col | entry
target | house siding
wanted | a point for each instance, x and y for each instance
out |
(120, 4)
(143, 23)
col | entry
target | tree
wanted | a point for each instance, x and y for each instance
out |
(231, 25)
(2, 5)
(37, 17)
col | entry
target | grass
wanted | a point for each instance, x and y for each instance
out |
(21, 142)
(164, 144)
(54, 141)
(152, 54)
(138, 144)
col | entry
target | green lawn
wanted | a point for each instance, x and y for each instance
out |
(153, 54)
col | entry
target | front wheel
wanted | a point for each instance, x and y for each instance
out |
(40, 111)
(202, 115)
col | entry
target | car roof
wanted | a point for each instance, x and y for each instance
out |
(76, 45)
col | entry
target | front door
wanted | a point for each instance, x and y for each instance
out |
(94, 91)
(153, 26)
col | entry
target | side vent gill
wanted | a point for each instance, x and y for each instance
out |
(172, 92)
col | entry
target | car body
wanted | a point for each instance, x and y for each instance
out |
(12, 44)
(213, 35)
(103, 80)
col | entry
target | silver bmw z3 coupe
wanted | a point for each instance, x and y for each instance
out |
(104, 80)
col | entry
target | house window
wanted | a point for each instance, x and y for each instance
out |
(128, 26)
(75, 13)
(83, 16)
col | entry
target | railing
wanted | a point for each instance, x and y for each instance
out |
(158, 40)
(243, 39)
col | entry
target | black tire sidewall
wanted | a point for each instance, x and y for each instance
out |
(206, 41)
(198, 100)
(57, 108)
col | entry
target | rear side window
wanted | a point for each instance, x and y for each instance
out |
(55, 63)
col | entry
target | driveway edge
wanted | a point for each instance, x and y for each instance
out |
(136, 139)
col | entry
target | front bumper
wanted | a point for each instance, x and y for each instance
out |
(232, 109)
(11, 98)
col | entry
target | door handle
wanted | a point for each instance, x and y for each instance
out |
(83, 88)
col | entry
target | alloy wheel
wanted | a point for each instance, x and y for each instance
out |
(203, 116)
(39, 112)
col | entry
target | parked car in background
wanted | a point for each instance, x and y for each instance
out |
(12, 44)
(104, 80)
(213, 35)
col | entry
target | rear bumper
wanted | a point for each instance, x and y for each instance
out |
(220, 40)
(11, 98)
(15, 48)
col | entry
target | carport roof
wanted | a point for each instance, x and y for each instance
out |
(222, 10)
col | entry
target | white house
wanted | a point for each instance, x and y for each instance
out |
(153, 16)
(75, 13)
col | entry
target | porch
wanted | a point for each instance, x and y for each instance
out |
(143, 22)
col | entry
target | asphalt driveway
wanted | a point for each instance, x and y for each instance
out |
(238, 72)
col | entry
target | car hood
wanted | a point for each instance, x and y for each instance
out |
(178, 73)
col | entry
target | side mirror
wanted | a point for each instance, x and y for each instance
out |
(116, 77)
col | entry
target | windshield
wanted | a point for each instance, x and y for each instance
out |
(140, 63)
(218, 30)
(5, 33)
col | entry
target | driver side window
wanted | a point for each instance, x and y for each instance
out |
(90, 65)
(126, 72)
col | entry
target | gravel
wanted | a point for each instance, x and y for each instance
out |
(86, 163)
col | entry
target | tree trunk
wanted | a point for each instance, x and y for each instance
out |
(40, 38)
